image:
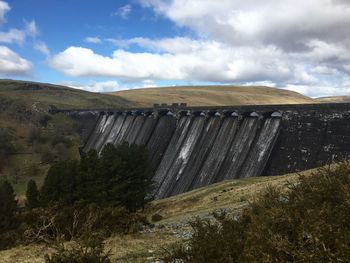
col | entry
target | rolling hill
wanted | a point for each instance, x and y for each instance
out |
(30, 138)
(335, 99)
(212, 96)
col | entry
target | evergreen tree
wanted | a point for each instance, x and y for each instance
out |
(60, 183)
(32, 195)
(132, 182)
(8, 207)
(90, 184)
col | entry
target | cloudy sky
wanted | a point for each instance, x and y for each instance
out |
(302, 45)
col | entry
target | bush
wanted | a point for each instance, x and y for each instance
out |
(36, 136)
(156, 217)
(308, 223)
(88, 249)
(59, 221)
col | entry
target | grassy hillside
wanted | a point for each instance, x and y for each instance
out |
(176, 211)
(212, 96)
(335, 99)
(39, 96)
(30, 138)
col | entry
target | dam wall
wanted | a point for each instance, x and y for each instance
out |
(191, 147)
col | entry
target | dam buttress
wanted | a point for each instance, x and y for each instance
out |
(191, 147)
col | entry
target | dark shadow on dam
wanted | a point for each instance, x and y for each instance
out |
(195, 147)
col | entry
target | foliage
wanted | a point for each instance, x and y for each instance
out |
(8, 219)
(88, 249)
(58, 221)
(156, 217)
(120, 176)
(8, 207)
(307, 223)
(32, 195)
(6, 146)
(132, 182)
(59, 184)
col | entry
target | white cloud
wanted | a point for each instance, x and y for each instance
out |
(104, 86)
(12, 36)
(110, 85)
(4, 8)
(11, 64)
(94, 40)
(286, 43)
(124, 11)
(288, 24)
(19, 36)
(42, 47)
(183, 59)
(31, 28)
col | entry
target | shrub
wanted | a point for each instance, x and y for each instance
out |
(88, 249)
(156, 217)
(36, 136)
(59, 221)
(308, 223)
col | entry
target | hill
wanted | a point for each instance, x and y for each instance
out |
(212, 96)
(334, 99)
(40, 96)
(30, 139)
(176, 212)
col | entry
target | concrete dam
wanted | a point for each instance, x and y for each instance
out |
(191, 147)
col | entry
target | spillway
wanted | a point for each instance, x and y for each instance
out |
(105, 131)
(135, 129)
(146, 130)
(181, 157)
(172, 150)
(118, 124)
(159, 140)
(239, 149)
(194, 147)
(261, 150)
(196, 161)
(90, 144)
(217, 154)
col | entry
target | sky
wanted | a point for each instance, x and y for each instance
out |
(110, 45)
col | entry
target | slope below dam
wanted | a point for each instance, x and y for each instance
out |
(191, 147)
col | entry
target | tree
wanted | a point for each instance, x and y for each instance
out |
(6, 146)
(32, 195)
(60, 183)
(122, 175)
(8, 207)
(132, 181)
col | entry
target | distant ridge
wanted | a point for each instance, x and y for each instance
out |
(213, 96)
(335, 99)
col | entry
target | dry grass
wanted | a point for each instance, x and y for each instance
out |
(138, 248)
(335, 99)
(233, 194)
(212, 96)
